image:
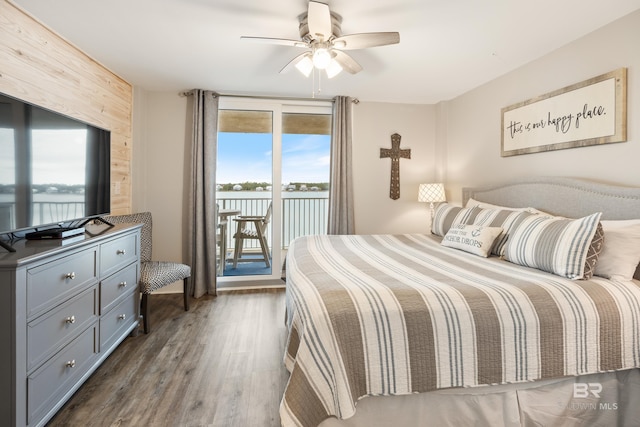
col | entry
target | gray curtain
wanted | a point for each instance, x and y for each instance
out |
(202, 221)
(341, 216)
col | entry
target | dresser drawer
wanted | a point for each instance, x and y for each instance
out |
(114, 287)
(47, 385)
(50, 332)
(114, 324)
(117, 253)
(54, 282)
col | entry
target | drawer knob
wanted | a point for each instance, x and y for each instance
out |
(70, 319)
(70, 364)
(121, 252)
(70, 276)
(122, 317)
(122, 284)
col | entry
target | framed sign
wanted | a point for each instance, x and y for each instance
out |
(591, 112)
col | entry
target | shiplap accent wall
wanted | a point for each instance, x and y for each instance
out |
(39, 66)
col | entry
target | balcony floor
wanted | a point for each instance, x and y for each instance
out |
(247, 268)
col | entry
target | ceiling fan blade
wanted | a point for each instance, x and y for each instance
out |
(269, 40)
(319, 20)
(365, 40)
(346, 62)
(295, 61)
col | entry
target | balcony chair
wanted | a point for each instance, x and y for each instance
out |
(153, 274)
(221, 243)
(257, 232)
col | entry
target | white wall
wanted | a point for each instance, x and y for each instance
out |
(374, 123)
(471, 127)
(158, 172)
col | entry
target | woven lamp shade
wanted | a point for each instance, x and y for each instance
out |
(432, 193)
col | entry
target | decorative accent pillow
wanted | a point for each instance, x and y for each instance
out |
(474, 239)
(595, 249)
(447, 215)
(553, 244)
(621, 252)
(503, 218)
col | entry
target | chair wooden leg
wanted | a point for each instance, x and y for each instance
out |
(187, 293)
(145, 313)
(265, 248)
(237, 250)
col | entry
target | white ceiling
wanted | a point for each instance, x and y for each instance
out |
(447, 47)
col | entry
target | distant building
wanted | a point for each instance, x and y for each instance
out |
(237, 187)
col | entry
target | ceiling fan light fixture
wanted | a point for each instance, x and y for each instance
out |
(305, 66)
(321, 36)
(333, 69)
(321, 58)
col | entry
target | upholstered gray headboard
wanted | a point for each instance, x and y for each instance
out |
(570, 197)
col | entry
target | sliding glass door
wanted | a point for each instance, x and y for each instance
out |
(272, 183)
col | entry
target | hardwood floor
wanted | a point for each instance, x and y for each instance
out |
(219, 364)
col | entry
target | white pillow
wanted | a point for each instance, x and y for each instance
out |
(620, 255)
(553, 244)
(474, 239)
(473, 202)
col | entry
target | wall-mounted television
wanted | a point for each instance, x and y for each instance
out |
(54, 170)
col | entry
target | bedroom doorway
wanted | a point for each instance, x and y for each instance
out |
(272, 166)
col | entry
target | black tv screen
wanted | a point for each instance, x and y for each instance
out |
(54, 170)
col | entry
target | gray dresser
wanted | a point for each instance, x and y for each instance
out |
(65, 305)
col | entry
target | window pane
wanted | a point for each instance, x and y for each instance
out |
(306, 144)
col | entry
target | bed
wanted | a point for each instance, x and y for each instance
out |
(476, 324)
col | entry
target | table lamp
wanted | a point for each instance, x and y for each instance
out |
(431, 193)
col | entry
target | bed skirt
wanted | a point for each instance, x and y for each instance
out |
(604, 399)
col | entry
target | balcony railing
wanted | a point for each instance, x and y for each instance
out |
(301, 215)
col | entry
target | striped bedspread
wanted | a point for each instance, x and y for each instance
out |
(399, 314)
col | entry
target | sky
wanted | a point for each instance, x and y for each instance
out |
(50, 163)
(247, 157)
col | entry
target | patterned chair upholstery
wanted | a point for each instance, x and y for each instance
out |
(153, 274)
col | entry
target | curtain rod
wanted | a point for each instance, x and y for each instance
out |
(282, 98)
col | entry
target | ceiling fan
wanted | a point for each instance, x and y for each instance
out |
(320, 33)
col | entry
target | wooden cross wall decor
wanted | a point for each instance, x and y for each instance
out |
(395, 153)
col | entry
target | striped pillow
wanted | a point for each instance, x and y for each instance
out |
(446, 215)
(504, 218)
(553, 244)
